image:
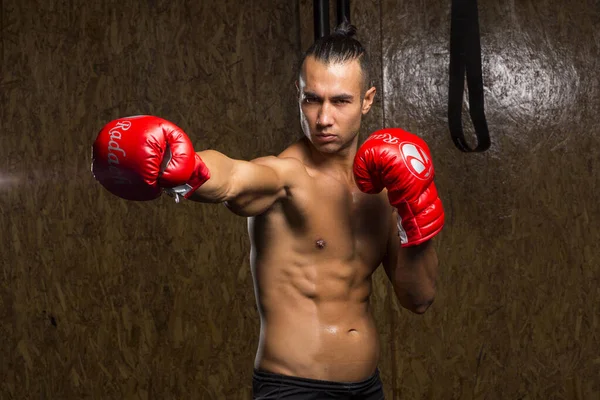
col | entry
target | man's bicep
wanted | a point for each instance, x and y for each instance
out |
(289, 171)
(258, 184)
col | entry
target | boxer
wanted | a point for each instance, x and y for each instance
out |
(322, 216)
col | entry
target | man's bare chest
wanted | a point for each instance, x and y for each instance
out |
(338, 216)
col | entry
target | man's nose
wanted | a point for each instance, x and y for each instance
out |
(325, 117)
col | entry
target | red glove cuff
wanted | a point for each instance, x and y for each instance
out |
(422, 219)
(200, 175)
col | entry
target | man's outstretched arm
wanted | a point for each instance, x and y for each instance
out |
(246, 187)
(137, 158)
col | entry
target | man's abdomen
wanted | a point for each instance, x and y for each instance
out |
(319, 342)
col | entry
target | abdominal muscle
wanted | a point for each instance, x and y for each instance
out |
(316, 322)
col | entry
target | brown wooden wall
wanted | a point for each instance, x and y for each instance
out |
(103, 298)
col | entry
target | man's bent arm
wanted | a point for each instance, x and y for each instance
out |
(413, 273)
(246, 187)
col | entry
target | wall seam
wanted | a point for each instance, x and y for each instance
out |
(390, 289)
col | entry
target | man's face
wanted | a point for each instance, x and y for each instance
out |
(331, 103)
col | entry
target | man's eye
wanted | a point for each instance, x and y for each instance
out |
(310, 100)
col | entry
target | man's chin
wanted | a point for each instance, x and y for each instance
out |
(332, 145)
(327, 148)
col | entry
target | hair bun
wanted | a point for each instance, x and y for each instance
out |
(345, 29)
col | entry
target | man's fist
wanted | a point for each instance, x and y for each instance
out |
(135, 157)
(401, 162)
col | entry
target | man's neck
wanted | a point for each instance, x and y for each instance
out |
(337, 164)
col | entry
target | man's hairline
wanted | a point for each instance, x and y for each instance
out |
(365, 86)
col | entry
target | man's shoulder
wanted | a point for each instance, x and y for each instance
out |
(289, 164)
(297, 150)
(281, 164)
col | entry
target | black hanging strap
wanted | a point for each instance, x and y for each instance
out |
(321, 15)
(343, 11)
(321, 18)
(465, 56)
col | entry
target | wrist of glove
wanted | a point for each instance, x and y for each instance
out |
(420, 219)
(200, 175)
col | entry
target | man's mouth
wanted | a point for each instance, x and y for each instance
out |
(325, 137)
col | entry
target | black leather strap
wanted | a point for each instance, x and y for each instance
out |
(465, 57)
(321, 18)
(343, 11)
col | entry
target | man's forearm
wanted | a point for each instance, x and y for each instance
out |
(218, 187)
(414, 279)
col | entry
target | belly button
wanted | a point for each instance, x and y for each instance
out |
(353, 331)
(320, 244)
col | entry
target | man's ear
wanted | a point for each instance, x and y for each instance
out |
(368, 100)
(297, 86)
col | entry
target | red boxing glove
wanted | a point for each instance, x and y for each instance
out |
(401, 162)
(136, 157)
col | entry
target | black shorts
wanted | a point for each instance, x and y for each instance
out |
(270, 386)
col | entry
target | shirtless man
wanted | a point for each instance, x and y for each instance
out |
(316, 233)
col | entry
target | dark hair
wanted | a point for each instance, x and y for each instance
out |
(340, 47)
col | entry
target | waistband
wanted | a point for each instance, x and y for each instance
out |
(316, 384)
